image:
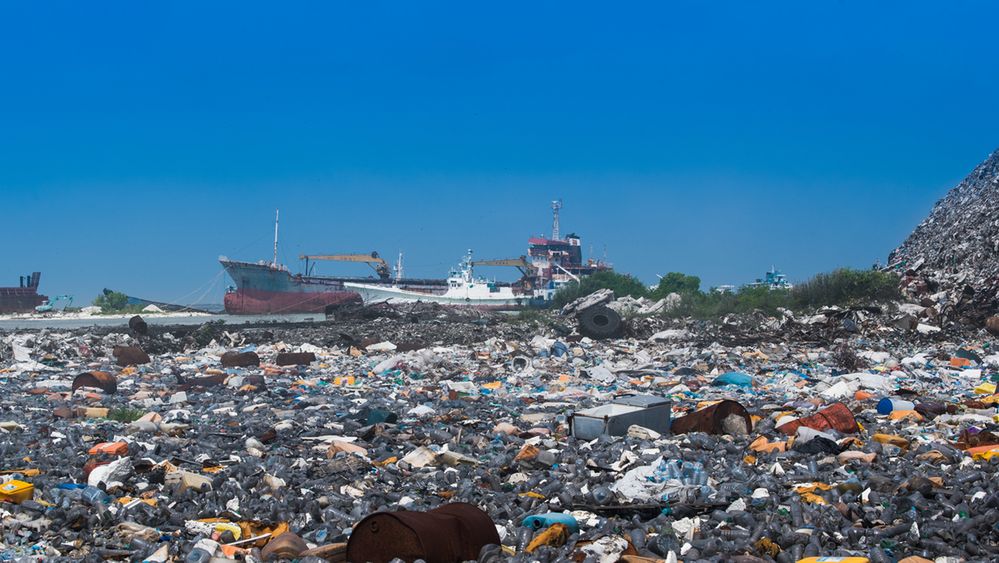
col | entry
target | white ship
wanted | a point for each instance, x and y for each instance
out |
(463, 290)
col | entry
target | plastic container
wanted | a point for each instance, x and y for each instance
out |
(16, 491)
(888, 405)
(539, 521)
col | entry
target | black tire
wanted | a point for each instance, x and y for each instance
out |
(599, 322)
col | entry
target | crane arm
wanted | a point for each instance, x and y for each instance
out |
(519, 263)
(515, 262)
(373, 260)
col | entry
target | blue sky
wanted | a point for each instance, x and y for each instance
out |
(140, 141)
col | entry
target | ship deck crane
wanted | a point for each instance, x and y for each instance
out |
(519, 263)
(380, 266)
(528, 279)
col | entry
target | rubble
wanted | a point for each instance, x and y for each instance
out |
(420, 432)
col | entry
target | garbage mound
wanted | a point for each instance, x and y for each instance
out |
(951, 260)
(428, 435)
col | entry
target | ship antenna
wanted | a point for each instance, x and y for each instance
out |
(277, 214)
(556, 205)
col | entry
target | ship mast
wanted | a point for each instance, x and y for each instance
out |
(556, 205)
(277, 214)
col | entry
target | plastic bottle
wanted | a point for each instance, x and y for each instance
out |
(524, 537)
(93, 495)
(198, 555)
(889, 405)
(602, 495)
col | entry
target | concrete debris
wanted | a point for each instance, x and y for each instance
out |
(421, 432)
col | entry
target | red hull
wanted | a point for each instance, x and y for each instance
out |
(258, 302)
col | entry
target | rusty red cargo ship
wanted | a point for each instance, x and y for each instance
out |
(270, 288)
(22, 299)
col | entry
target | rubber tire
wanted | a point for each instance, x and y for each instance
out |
(599, 322)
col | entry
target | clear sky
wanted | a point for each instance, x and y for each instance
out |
(141, 140)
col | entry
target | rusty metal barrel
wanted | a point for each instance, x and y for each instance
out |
(448, 534)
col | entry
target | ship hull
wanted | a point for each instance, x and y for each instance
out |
(260, 302)
(14, 301)
(262, 289)
(376, 294)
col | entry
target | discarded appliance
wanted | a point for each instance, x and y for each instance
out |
(614, 419)
(448, 534)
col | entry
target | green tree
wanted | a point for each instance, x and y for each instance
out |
(676, 282)
(111, 301)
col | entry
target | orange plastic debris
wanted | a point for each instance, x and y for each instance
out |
(900, 415)
(109, 448)
(891, 439)
(762, 445)
(528, 452)
(982, 449)
(385, 462)
(556, 535)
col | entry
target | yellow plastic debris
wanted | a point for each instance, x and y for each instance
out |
(808, 494)
(985, 456)
(16, 491)
(986, 389)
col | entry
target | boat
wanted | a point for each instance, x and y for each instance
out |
(463, 290)
(24, 298)
(774, 280)
(552, 262)
(270, 288)
(267, 287)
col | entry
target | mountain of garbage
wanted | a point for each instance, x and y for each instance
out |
(951, 260)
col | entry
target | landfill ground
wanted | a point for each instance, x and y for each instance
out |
(186, 455)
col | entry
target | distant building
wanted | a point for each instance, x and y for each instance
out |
(775, 279)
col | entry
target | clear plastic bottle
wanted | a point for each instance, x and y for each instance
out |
(602, 495)
(93, 495)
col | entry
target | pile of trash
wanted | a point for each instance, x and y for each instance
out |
(950, 262)
(590, 436)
